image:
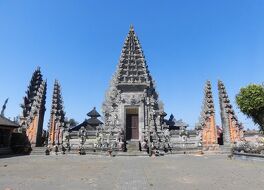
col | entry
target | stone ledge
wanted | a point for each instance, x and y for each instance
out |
(249, 155)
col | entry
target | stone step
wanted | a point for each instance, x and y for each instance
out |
(185, 152)
(132, 146)
(132, 153)
(220, 151)
(225, 149)
(38, 151)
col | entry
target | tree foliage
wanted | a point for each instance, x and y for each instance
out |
(250, 100)
(73, 122)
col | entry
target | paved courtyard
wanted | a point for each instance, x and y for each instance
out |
(182, 172)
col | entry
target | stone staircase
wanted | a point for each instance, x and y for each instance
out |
(132, 146)
(132, 150)
(186, 151)
(38, 151)
(222, 149)
(225, 149)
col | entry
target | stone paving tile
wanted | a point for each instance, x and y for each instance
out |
(184, 172)
(131, 176)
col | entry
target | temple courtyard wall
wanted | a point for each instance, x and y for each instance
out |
(101, 172)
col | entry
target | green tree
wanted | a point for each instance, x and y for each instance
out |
(73, 122)
(250, 100)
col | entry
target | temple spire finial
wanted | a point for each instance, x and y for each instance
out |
(131, 28)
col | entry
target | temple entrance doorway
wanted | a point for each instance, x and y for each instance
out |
(132, 124)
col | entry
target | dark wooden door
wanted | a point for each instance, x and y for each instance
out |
(132, 131)
(134, 126)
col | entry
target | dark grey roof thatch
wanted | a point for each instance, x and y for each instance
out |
(89, 124)
(93, 113)
(4, 122)
(77, 127)
(94, 121)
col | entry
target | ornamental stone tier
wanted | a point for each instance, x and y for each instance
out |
(57, 122)
(33, 109)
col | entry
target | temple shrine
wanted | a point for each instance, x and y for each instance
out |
(131, 104)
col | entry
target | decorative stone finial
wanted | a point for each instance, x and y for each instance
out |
(4, 107)
(131, 27)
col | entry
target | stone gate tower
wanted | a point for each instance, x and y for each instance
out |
(207, 119)
(34, 109)
(131, 104)
(57, 116)
(233, 130)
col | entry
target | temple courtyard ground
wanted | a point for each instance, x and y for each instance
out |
(181, 172)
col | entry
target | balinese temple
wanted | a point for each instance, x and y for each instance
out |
(131, 104)
(89, 124)
(207, 119)
(57, 122)
(33, 107)
(232, 129)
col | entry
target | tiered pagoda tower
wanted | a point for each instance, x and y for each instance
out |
(207, 118)
(90, 124)
(57, 117)
(34, 109)
(93, 121)
(232, 130)
(131, 104)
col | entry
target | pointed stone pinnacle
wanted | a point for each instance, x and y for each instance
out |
(131, 27)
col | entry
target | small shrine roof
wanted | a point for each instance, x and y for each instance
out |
(94, 121)
(93, 113)
(89, 124)
(4, 122)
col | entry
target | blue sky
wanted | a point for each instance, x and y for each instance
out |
(79, 43)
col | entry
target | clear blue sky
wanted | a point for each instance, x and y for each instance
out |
(79, 43)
